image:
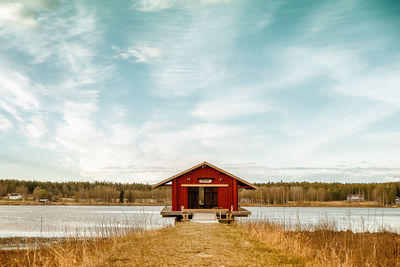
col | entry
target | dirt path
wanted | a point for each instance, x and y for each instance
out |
(192, 244)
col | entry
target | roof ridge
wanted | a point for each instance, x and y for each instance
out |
(197, 166)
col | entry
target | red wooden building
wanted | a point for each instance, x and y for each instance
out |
(204, 187)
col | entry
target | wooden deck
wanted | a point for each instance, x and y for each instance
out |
(167, 212)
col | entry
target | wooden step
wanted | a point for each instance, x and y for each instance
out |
(204, 217)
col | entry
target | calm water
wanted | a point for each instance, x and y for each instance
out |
(354, 219)
(50, 221)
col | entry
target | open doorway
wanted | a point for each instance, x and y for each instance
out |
(202, 197)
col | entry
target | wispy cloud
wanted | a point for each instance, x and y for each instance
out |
(17, 16)
(360, 172)
(234, 105)
(20, 102)
(22, 14)
(13, 87)
(156, 5)
(139, 53)
(378, 85)
(66, 44)
(191, 62)
(35, 128)
(95, 146)
(5, 124)
(142, 89)
(330, 15)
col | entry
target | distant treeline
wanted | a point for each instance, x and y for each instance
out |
(282, 193)
(86, 192)
(268, 193)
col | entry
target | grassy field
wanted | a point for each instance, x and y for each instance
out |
(244, 244)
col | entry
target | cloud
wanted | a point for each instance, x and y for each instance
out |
(330, 15)
(140, 53)
(156, 5)
(78, 59)
(16, 96)
(327, 98)
(67, 46)
(5, 124)
(21, 99)
(214, 87)
(17, 16)
(66, 42)
(192, 63)
(22, 15)
(36, 128)
(197, 141)
(34, 3)
(346, 173)
(90, 145)
(229, 106)
(381, 85)
(302, 63)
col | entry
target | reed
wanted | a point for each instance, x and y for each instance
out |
(326, 246)
(83, 247)
(71, 251)
(318, 244)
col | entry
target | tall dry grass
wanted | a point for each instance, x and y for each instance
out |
(67, 251)
(73, 252)
(327, 246)
(83, 248)
(322, 243)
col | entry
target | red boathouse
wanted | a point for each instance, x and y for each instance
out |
(204, 187)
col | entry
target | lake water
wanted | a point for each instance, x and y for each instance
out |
(354, 219)
(58, 221)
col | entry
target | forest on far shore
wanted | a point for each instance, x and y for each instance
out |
(136, 193)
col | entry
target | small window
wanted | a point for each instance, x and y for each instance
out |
(205, 180)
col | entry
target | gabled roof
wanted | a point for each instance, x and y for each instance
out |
(198, 166)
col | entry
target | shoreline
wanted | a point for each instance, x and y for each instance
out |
(76, 204)
(334, 204)
(244, 206)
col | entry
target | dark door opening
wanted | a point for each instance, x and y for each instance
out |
(193, 198)
(202, 197)
(210, 197)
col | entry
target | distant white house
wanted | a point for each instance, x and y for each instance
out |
(245, 200)
(398, 200)
(14, 196)
(44, 200)
(355, 198)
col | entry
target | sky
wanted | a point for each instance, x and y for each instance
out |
(137, 91)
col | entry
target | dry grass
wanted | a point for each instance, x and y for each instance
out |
(192, 244)
(189, 244)
(77, 249)
(68, 253)
(184, 245)
(72, 251)
(327, 246)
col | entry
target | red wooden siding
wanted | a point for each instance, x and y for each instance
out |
(227, 196)
(226, 183)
